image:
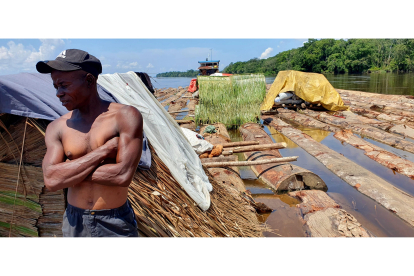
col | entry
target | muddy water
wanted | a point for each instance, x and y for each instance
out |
(370, 214)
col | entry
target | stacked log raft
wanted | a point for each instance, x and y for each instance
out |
(392, 198)
(179, 101)
(376, 153)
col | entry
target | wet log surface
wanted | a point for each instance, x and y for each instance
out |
(385, 158)
(281, 176)
(363, 129)
(366, 182)
(324, 217)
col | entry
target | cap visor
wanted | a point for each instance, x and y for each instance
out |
(48, 67)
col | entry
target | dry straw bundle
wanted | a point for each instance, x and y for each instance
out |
(162, 207)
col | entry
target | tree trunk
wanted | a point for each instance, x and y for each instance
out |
(325, 218)
(280, 177)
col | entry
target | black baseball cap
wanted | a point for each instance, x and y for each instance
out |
(71, 60)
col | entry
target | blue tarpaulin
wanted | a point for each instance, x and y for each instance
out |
(33, 95)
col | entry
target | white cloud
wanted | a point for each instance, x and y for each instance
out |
(266, 53)
(17, 57)
(128, 65)
(150, 65)
(106, 65)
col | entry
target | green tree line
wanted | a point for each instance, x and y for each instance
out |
(336, 56)
(189, 74)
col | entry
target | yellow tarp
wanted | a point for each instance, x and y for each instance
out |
(311, 87)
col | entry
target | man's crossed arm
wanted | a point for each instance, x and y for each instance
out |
(128, 148)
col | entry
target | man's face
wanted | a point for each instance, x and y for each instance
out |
(71, 88)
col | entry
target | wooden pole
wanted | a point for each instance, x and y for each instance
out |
(241, 143)
(250, 163)
(281, 145)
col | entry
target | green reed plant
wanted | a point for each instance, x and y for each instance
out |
(233, 100)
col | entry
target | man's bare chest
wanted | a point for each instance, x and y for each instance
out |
(81, 139)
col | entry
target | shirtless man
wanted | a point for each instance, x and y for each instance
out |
(93, 150)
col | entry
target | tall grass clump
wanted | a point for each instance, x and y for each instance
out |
(233, 100)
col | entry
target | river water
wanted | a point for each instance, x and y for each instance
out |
(386, 83)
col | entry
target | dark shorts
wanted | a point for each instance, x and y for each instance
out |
(118, 222)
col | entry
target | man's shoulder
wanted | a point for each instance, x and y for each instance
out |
(56, 126)
(61, 120)
(123, 110)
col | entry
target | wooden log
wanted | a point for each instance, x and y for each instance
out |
(251, 163)
(381, 99)
(184, 121)
(363, 129)
(220, 130)
(366, 182)
(368, 95)
(374, 152)
(325, 218)
(219, 159)
(179, 111)
(262, 147)
(380, 112)
(280, 177)
(241, 143)
(173, 98)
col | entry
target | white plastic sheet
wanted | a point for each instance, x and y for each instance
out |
(164, 134)
(199, 145)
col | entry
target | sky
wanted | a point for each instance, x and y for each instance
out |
(141, 55)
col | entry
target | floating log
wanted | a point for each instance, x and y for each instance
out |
(220, 130)
(376, 96)
(381, 99)
(179, 111)
(374, 152)
(241, 143)
(362, 129)
(325, 218)
(366, 182)
(184, 121)
(278, 177)
(251, 163)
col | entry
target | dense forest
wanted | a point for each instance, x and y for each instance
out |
(336, 56)
(189, 74)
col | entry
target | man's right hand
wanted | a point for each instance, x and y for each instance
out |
(112, 147)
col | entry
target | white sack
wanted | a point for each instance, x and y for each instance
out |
(199, 145)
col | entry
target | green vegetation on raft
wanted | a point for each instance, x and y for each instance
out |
(233, 100)
(336, 56)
